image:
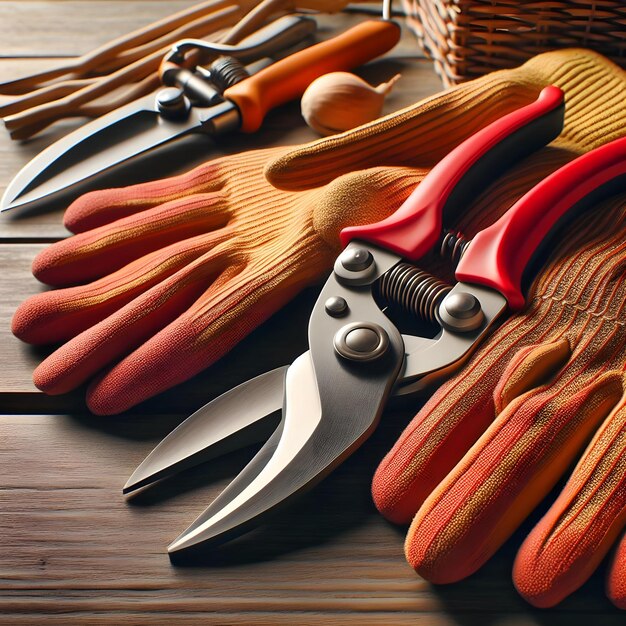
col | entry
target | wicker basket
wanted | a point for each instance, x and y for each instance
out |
(467, 38)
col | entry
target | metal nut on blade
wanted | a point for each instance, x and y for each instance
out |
(172, 103)
(361, 341)
(461, 312)
(355, 265)
(336, 306)
(356, 259)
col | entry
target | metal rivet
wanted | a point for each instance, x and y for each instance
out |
(462, 305)
(362, 340)
(336, 306)
(356, 259)
(461, 311)
(172, 103)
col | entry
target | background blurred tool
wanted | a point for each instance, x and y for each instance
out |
(156, 120)
(276, 36)
(333, 395)
(127, 68)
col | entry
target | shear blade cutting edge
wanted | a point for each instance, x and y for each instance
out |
(241, 416)
(277, 480)
(93, 149)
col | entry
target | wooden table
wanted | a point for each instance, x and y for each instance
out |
(75, 551)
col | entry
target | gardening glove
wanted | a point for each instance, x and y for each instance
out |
(248, 246)
(493, 441)
(170, 275)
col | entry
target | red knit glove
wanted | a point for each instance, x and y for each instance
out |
(493, 441)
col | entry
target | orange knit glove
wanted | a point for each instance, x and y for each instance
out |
(547, 381)
(490, 443)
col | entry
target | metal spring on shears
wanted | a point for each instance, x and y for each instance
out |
(416, 291)
(453, 245)
(413, 290)
(226, 72)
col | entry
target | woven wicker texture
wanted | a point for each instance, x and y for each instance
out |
(466, 38)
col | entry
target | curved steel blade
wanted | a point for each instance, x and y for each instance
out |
(331, 407)
(244, 415)
(270, 469)
(95, 148)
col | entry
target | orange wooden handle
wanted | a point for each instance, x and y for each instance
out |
(287, 79)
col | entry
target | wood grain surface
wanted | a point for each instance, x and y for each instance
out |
(73, 550)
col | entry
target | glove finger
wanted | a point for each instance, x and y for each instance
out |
(406, 137)
(419, 136)
(505, 475)
(98, 252)
(112, 338)
(462, 408)
(97, 208)
(233, 306)
(452, 420)
(529, 368)
(616, 583)
(576, 533)
(57, 316)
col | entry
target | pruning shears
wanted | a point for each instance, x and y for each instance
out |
(331, 397)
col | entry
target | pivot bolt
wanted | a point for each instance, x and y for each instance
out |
(355, 266)
(361, 341)
(461, 312)
(356, 259)
(172, 103)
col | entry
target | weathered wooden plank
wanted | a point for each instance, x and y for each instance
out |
(74, 550)
(44, 29)
(16, 283)
(17, 67)
(33, 28)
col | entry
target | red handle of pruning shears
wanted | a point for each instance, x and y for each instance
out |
(417, 225)
(499, 255)
(287, 79)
